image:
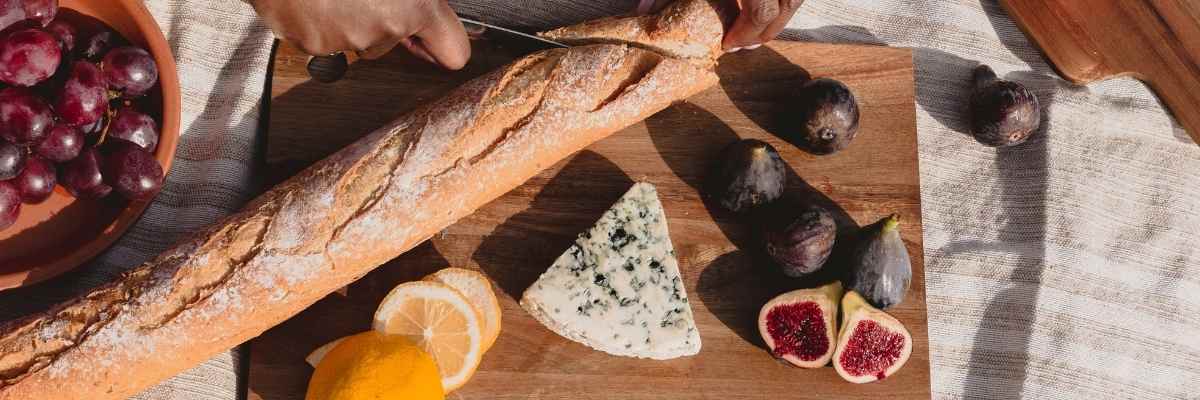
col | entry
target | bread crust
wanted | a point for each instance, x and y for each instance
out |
(337, 220)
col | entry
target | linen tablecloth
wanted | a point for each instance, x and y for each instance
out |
(1065, 267)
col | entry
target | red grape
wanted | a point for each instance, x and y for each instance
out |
(82, 176)
(10, 204)
(97, 45)
(64, 32)
(12, 160)
(11, 12)
(130, 70)
(134, 127)
(42, 11)
(28, 56)
(83, 97)
(133, 172)
(24, 117)
(62, 144)
(37, 181)
(95, 128)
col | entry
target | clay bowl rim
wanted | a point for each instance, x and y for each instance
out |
(148, 31)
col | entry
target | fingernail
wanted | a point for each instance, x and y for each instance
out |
(753, 46)
(734, 50)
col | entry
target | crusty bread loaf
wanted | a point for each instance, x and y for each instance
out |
(340, 218)
(684, 29)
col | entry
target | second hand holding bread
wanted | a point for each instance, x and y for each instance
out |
(349, 213)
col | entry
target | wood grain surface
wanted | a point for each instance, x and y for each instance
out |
(516, 237)
(1157, 41)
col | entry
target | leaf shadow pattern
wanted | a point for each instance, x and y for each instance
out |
(736, 284)
(520, 249)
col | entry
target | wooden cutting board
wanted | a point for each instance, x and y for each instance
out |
(1157, 41)
(516, 237)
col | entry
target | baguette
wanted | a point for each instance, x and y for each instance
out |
(342, 217)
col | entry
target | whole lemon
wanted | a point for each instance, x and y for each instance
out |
(372, 365)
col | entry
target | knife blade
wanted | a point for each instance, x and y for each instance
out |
(333, 67)
(507, 37)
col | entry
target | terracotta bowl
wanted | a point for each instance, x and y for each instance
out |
(62, 233)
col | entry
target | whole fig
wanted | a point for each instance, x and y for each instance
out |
(801, 245)
(827, 117)
(748, 174)
(1003, 113)
(880, 269)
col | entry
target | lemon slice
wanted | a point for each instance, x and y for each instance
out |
(440, 320)
(317, 355)
(478, 290)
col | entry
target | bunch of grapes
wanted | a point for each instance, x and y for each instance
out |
(73, 109)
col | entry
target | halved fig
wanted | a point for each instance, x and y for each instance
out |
(798, 326)
(872, 344)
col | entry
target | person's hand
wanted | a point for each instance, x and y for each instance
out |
(427, 28)
(756, 21)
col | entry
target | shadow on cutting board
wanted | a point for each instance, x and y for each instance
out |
(519, 250)
(735, 285)
(279, 371)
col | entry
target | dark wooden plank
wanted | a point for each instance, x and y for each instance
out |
(514, 238)
(1157, 41)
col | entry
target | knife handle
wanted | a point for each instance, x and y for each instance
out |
(328, 69)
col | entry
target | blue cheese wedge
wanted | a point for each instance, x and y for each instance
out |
(618, 288)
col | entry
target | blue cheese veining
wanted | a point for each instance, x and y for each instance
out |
(618, 288)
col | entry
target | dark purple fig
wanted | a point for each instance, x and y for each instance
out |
(826, 119)
(802, 244)
(880, 269)
(1003, 113)
(748, 174)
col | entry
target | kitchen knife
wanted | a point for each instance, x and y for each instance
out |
(333, 67)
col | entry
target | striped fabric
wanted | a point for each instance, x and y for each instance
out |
(1062, 268)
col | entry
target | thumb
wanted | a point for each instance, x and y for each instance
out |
(445, 39)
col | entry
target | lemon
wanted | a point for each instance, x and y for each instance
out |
(441, 321)
(375, 366)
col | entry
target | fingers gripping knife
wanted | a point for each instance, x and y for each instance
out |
(333, 67)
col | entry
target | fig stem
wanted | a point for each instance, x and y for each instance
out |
(891, 222)
(983, 75)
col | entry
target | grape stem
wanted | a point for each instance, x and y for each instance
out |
(107, 122)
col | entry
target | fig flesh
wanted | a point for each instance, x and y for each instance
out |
(828, 117)
(872, 345)
(802, 244)
(1003, 113)
(749, 174)
(799, 326)
(880, 268)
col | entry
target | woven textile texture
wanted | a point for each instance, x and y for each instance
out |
(1065, 267)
